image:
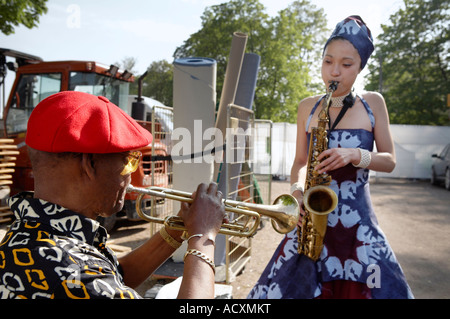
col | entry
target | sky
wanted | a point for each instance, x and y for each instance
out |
(107, 31)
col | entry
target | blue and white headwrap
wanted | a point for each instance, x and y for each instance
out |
(355, 30)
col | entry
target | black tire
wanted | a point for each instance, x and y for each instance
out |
(447, 179)
(433, 177)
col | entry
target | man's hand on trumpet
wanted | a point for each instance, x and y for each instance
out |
(206, 213)
(203, 219)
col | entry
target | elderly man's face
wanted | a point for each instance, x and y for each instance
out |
(111, 182)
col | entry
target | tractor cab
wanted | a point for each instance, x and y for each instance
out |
(35, 80)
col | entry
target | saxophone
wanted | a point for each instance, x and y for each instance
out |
(318, 200)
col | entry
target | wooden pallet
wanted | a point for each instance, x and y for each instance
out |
(8, 153)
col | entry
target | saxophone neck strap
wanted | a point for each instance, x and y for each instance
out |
(349, 101)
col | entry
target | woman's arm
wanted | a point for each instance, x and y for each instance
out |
(298, 170)
(384, 159)
(301, 151)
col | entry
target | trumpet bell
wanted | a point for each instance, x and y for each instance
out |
(286, 219)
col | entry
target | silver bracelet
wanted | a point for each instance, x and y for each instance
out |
(366, 158)
(210, 238)
(296, 187)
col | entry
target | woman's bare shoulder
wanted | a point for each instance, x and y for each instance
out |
(375, 100)
(306, 105)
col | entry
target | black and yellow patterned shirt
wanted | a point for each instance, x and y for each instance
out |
(52, 252)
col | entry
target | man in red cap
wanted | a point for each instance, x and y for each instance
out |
(83, 151)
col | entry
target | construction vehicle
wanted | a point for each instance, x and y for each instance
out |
(37, 79)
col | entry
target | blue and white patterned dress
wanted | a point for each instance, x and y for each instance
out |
(355, 248)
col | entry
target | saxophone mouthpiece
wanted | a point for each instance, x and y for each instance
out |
(333, 85)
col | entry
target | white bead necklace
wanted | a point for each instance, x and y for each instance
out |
(338, 101)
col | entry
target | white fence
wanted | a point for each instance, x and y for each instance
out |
(414, 145)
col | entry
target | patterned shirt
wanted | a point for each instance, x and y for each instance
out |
(52, 252)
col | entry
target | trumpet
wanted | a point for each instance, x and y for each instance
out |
(284, 212)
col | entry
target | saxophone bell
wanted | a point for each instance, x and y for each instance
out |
(320, 200)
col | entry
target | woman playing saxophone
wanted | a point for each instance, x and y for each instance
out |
(353, 244)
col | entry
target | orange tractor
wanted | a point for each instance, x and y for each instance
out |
(36, 79)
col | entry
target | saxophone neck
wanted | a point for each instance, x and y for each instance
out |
(327, 100)
(333, 86)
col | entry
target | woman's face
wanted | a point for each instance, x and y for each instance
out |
(341, 62)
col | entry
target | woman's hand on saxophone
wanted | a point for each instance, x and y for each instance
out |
(334, 158)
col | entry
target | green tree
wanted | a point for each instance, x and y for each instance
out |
(411, 64)
(128, 63)
(219, 22)
(26, 12)
(158, 83)
(290, 68)
(286, 44)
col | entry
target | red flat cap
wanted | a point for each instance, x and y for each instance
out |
(79, 122)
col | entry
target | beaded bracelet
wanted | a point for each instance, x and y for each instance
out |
(366, 158)
(296, 187)
(202, 256)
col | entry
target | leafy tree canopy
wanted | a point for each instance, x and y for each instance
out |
(288, 44)
(411, 64)
(26, 12)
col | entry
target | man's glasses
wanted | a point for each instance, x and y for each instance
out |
(132, 165)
